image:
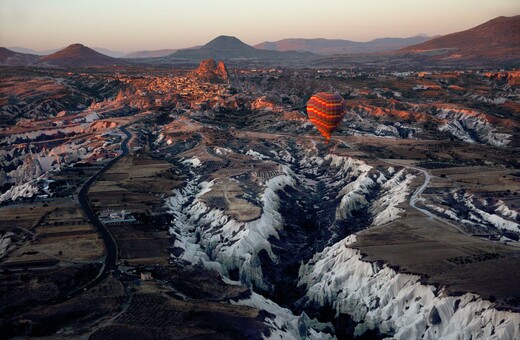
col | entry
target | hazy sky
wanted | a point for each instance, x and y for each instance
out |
(129, 25)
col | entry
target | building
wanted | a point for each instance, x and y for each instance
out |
(146, 276)
(111, 217)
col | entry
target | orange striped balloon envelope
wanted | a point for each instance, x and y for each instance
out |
(325, 111)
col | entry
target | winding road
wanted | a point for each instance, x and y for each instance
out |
(415, 196)
(108, 239)
(417, 193)
(110, 263)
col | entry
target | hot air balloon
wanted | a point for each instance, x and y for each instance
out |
(325, 111)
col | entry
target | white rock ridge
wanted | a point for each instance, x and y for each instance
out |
(26, 190)
(391, 191)
(471, 127)
(395, 190)
(505, 211)
(5, 242)
(398, 304)
(286, 325)
(218, 241)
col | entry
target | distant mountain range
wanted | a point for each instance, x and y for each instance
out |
(110, 53)
(150, 54)
(105, 51)
(11, 58)
(24, 50)
(338, 46)
(226, 48)
(497, 39)
(224, 44)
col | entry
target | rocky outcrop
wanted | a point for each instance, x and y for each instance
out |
(222, 71)
(263, 103)
(101, 125)
(210, 71)
(30, 168)
(512, 77)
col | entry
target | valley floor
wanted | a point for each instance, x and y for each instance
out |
(231, 218)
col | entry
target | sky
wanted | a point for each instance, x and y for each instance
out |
(131, 25)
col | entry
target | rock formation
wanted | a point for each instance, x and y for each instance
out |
(210, 71)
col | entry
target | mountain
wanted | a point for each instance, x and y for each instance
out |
(222, 47)
(78, 55)
(226, 47)
(339, 46)
(11, 58)
(497, 39)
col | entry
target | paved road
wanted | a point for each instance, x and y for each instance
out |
(417, 193)
(110, 263)
(415, 196)
(108, 239)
